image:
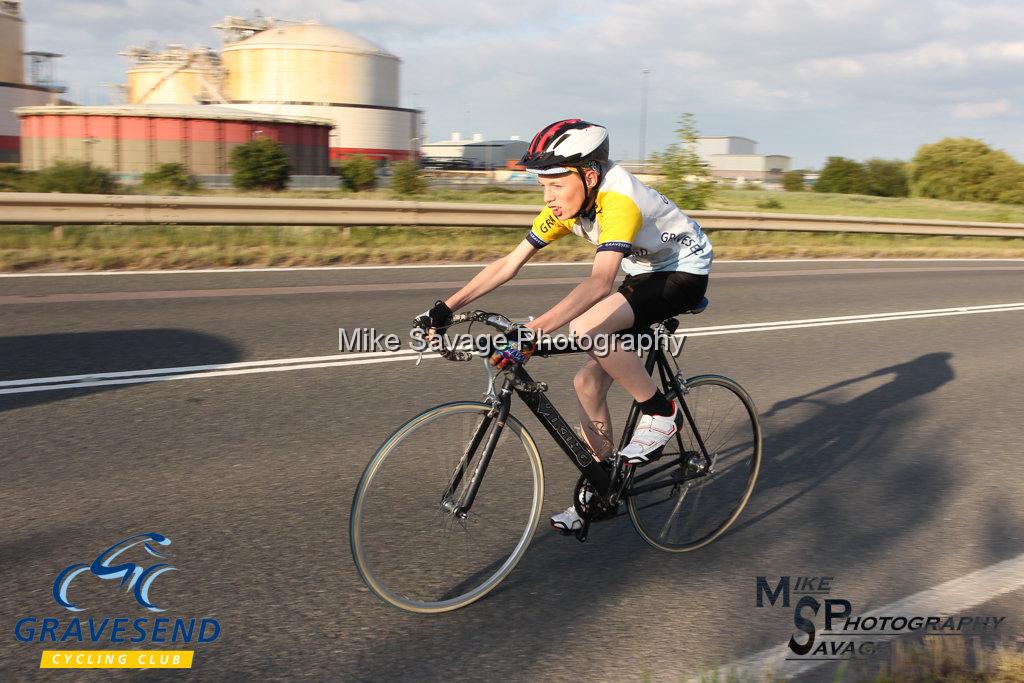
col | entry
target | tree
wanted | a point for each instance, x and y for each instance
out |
(887, 178)
(358, 172)
(842, 175)
(13, 179)
(73, 176)
(966, 169)
(687, 180)
(173, 177)
(406, 178)
(260, 165)
(793, 181)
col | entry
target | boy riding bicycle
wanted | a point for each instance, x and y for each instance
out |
(666, 257)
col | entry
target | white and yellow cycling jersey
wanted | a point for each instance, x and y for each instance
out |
(633, 219)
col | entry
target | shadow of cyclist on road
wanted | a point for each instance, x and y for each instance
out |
(812, 451)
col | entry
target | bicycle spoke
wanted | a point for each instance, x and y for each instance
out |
(417, 554)
(724, 421)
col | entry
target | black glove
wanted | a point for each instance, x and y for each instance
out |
(440, 316)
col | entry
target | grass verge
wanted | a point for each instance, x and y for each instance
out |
(27, 248)
(762, 201)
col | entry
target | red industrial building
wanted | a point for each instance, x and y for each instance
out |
(134, 139)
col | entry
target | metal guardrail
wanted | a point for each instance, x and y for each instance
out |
(79, 209)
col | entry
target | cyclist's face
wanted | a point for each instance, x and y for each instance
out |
(564, 194)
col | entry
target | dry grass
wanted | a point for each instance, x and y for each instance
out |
(27, 248)
(952, 660)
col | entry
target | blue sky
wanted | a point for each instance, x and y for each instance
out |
(806, 78)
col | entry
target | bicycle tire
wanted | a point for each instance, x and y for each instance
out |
(389, 472)
(736, 464)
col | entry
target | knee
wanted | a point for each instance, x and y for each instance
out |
(590, 380)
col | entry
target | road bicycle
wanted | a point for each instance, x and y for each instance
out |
(431, 533)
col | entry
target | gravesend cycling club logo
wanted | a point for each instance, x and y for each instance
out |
(846, 634)
(134, 563)
(135, 576)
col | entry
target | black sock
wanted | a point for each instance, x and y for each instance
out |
(656, 405)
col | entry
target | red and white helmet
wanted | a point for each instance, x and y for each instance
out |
(563, 145)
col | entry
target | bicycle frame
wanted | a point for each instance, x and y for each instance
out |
(579, 454)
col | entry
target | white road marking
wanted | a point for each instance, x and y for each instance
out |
(847, 320)
(21, 386)
(194, 375)
(957, 595)
(407, 266)
(201, 368)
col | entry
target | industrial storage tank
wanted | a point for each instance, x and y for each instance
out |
(173, 76)
(314, 70)
(134, 139)
(12, 43)
(310, 63)
(14, 91)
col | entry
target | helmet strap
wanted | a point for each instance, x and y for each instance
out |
(590, 193)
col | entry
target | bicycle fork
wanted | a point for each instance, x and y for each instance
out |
(460, 508)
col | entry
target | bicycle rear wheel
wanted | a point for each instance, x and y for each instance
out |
(690, 511)
(412, 551)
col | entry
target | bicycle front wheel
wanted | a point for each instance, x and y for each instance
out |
(687, 499)
(409, 547)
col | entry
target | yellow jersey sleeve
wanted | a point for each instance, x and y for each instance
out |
(546, 229)
(619, 219)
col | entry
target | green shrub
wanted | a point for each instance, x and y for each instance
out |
(887, 178)
(78, 177)
(793, 181)
(260, 165)
(406, 178)
(770, 203)
(13, 179)
(358, 172)
(964, 169)
(844, 176)
(173, 177)
(687, 180)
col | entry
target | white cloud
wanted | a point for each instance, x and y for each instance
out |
(799, 75)
(982, 110)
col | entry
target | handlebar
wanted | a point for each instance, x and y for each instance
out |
(495, 320)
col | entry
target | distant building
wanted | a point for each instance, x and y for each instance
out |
(281, 68)
(14, 90)
(476, 153)
(736, 158)
(133, 139)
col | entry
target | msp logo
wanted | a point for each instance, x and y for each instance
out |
(846, 634)
(127, 563)
(130, 573)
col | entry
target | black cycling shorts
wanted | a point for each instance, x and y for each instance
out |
(657, 296)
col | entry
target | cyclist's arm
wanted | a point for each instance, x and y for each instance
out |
(493, 276)
(586, 294)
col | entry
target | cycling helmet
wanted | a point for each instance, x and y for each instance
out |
(566, 145)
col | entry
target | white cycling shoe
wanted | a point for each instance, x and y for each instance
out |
(569, 521)
(652, 433)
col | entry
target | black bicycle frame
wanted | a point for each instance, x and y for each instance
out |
(577, 451)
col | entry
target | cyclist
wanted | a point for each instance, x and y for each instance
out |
(666, 257)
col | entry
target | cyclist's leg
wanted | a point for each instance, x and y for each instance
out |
(592, 384)
(594, 380)
(614, 314)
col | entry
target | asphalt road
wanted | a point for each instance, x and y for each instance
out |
(892, 463)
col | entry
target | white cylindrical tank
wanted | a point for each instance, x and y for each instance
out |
(310, 64)
(163, 85)
(12, 43)
(174, 76)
